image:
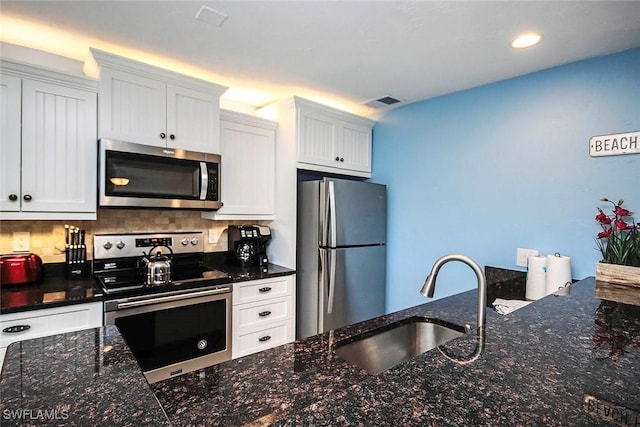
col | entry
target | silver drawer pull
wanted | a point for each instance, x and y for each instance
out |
(265, 289)
(16, 329)
(265, 338)
(264, 313)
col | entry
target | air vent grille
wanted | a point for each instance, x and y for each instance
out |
(388, 100)
(382, 102)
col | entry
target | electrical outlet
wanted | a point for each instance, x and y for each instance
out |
(21, 241)
(523, 254)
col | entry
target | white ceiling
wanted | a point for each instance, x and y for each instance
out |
(349, 51)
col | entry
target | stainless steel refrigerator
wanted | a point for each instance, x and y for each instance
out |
(341, 254)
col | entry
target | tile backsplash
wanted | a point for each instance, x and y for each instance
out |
(47, 237)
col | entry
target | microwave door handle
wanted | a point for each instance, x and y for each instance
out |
(204, 180)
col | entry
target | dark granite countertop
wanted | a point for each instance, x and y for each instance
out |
(220, 261)
(52, 291)
(84, 378)
(539, 366)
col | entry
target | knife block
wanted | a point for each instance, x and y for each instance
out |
(77, 269)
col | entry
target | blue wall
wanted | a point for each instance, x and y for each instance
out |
(502, 166)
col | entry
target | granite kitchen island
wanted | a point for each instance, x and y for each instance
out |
(562, 360)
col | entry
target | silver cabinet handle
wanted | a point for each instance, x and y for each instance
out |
(15, 329)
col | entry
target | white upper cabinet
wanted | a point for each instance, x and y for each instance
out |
(328, 140)
(132, 108)
(10, 100)
(148, 105)
(247, 147)
(317, 138)
(49, 167)
(193, 117)
(353, 146)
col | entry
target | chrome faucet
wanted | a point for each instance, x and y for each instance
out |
(430, 283)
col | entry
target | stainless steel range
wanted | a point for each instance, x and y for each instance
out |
(172, 309)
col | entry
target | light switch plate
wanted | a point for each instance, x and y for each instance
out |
(523, 254)
(21, 241)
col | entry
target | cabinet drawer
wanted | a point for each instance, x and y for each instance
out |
(260, 313)
(257, 290)
(50, 321)
(262, 339)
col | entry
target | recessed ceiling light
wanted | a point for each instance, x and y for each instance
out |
(526, 40)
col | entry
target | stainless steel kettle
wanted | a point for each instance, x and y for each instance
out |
(157, 268)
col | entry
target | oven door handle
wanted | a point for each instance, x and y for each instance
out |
(171, 298)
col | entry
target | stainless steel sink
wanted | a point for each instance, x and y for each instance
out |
(383, 348)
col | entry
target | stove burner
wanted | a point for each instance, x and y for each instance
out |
(117, 267)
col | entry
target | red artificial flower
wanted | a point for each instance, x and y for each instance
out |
(621, 225)
(604, 234)
(602, 218)
(621, 211)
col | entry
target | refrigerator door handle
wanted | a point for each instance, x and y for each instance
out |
(332, 213)
(332, 281)
(324, 218)
(321, 285)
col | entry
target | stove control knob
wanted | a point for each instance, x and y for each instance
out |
(184, 241)
(120, 244)
(194, 241)
(107, 245)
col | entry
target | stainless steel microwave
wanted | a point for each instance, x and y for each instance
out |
(135, 175)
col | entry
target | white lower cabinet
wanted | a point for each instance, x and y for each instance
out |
(48, 321)
(263, 314)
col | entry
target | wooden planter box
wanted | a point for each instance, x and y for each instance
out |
(618, 283)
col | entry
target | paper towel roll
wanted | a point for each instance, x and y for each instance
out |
(536, 277)
(558, 272)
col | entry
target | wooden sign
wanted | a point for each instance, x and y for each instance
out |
(611, 412)
(616, 144)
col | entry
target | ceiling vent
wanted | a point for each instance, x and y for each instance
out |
(211, 16)
(385, 101)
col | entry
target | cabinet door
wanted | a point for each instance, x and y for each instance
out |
(248, 170)
(49, 321)
(193, 121)
(132, 108)
(58, 148)
(10, 143)
(317, 134)
(354, 146)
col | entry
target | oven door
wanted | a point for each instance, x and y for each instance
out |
(171, 335)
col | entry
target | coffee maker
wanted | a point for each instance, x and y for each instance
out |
(248, 245)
